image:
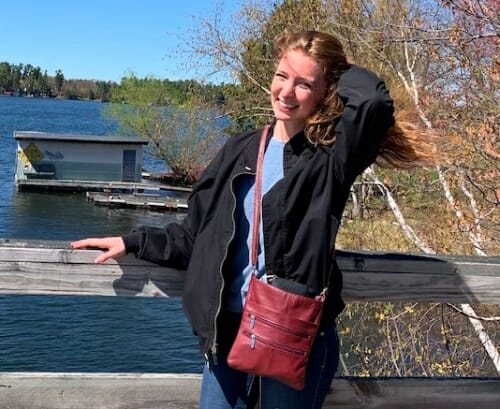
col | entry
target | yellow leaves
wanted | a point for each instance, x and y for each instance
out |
(385, 314)
(359, 349)
(442, 368)
(386, 339)
(365, 373)
(446, 367)
(410, 309)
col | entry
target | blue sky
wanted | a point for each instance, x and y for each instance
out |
(102, 39)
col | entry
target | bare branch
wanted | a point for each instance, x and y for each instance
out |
(475, 316)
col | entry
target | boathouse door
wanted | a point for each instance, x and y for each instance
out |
(128, 165)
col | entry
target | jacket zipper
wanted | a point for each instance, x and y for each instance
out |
(213, 348)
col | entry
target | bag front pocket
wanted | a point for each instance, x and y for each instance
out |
(255, 341)
(269, 328)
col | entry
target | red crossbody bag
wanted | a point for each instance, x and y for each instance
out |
(277, 327)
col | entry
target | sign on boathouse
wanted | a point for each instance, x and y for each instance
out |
(58, 157)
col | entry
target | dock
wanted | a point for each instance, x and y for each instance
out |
(139, 200)
(94, 186)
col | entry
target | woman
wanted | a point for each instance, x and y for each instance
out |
(331, 121)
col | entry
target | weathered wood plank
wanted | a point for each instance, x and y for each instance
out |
(28, 268)
(423, 278)
(110, 391)
(91, 185)
(81, 185)
(52, 390)
(74, 273)
(414, 393)
(156, 202)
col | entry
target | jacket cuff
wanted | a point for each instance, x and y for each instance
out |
(132, 242)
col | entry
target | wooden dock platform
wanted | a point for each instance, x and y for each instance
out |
(93, 186)
(139, 200)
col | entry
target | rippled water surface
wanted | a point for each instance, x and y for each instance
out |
(91, 334)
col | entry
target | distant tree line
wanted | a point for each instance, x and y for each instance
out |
(28, 80)
(164, 92)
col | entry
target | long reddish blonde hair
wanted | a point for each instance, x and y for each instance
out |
(404, 144)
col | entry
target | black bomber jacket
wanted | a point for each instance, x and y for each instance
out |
(300, 214)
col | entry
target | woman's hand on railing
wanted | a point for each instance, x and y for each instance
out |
(114, 247)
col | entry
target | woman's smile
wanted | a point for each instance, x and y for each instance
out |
(287, 105)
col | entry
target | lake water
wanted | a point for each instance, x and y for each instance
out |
(80, 334)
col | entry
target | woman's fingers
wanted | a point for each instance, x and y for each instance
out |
(86, 243)
(114, 247)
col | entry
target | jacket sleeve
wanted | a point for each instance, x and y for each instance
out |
(172, 245)
(368, 113)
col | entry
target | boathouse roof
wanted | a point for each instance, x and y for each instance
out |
(49, 136)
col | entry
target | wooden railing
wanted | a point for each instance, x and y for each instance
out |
(52, 268)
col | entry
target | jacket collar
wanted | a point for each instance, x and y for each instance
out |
(295, 146)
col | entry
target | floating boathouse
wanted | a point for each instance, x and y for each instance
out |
(51, 159)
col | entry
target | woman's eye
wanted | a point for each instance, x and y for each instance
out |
(304, 85)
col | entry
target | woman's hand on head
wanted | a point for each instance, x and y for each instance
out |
(114, 247)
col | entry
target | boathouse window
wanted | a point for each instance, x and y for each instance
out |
(128, 167)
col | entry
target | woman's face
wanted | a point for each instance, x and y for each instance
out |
(297, 88)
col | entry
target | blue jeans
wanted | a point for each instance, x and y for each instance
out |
(225, 388)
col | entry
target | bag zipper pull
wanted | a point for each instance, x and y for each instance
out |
(252, 341)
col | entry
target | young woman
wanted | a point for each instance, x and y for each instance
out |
(331, 120)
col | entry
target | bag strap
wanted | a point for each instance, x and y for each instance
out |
(257, 198)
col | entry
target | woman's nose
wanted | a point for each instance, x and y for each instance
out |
(287, 89)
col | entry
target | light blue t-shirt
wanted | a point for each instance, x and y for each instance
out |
(272, 172)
